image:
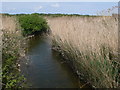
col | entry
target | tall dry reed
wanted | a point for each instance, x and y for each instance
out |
(12, 36)
(91, 44)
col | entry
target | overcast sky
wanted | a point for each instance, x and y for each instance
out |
(89, 8)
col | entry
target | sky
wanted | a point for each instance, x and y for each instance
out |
(60, 0)
(83, 8)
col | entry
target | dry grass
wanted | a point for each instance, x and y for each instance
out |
(91, 43)
(12, 38)
(12, 50)
(9, 23)
(0, 37)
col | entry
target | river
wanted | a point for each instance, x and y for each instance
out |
(45, 68)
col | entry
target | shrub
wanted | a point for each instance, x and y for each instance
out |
(32, 23)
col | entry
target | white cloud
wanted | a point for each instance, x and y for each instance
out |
(55, 5)
(37, 8)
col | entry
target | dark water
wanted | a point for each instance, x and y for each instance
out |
(45, 68)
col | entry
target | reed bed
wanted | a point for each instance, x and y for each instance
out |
(12, 36)
(12, 49)
(91, 45)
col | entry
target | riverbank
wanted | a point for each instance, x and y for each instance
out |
(90, 45)
(12, 49)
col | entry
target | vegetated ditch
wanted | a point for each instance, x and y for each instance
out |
(45, 68)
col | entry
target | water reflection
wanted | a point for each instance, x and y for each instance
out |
(45, 68)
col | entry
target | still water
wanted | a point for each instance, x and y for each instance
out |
(45, 68)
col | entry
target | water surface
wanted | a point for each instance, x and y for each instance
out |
(45, 68)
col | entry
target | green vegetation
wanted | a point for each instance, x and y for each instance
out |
(11, 77)
(11, 51)
(60, 15)
(51, 15)
(32, 24)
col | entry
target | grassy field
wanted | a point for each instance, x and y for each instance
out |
(91, 45)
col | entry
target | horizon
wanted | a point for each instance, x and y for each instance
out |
(80, 8)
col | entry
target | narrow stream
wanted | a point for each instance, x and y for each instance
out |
(45, 68)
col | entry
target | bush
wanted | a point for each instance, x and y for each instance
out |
(32, 23)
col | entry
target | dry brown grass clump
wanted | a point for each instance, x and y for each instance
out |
(91, 44)
(12, 36)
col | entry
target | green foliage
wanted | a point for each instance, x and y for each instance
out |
(32, 23)
(11, 49)
(11, 78)
(60, 15)
(51, 15)
(7, 14)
